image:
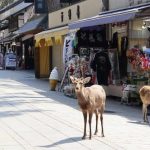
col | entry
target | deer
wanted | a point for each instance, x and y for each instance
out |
(145, 98)
(91, 100)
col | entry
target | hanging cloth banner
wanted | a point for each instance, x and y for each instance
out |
(68, 49)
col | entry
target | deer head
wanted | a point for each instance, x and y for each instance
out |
(79, 82)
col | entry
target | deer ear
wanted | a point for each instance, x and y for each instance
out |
(86, 80)
(72, 79)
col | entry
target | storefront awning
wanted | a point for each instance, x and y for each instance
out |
(52, 33)
(31, 25)
(112, 16)
(56, 33)
(103, 19)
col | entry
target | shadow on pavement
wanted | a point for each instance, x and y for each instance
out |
(139, 123)
(64, 141)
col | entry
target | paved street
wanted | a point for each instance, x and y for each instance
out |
(34, 118)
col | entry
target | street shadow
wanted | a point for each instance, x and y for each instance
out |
(139, 123)
(64, 141)
(16, 113)
(109, 112)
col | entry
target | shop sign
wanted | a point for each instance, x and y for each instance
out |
(91, 38)
(10, 60)
(68, 49)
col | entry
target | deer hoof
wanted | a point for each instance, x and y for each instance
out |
(95, 133)
(84, 137)
(146, 121)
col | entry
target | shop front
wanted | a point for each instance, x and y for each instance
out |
(138, 54)
(122, 38)
(49, 51)
(80, 48)
(25, 38)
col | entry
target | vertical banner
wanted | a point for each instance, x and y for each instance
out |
(68, 49)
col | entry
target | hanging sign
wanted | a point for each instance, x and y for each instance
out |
(68, 49)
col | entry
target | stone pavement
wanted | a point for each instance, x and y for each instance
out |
(34, 118)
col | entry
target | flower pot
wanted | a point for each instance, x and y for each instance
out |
(52, 84)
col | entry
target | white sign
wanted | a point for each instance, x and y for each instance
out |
(10, 60)
(68, 49)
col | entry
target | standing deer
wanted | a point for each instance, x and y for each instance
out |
(91, 100)
(145, 98)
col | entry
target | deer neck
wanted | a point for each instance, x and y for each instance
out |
(81, 94)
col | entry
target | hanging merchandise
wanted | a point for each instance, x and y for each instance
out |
(134, 56)
(138, 59)
(146, 60)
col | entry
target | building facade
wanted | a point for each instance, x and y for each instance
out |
(59, 18)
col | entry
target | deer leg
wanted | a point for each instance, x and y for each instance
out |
(143, 113)
(90, 120)
(96, 129)
(145, 118)
(101, 119)
(85, 121)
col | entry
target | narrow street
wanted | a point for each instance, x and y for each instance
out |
(34, 118)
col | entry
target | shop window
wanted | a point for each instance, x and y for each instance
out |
(78, 12)
(69, 14)
(62, 16)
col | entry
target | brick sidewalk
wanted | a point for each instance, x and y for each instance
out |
(34, 118)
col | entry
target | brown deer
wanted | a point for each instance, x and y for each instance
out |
(145, 98)
(91, 100)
